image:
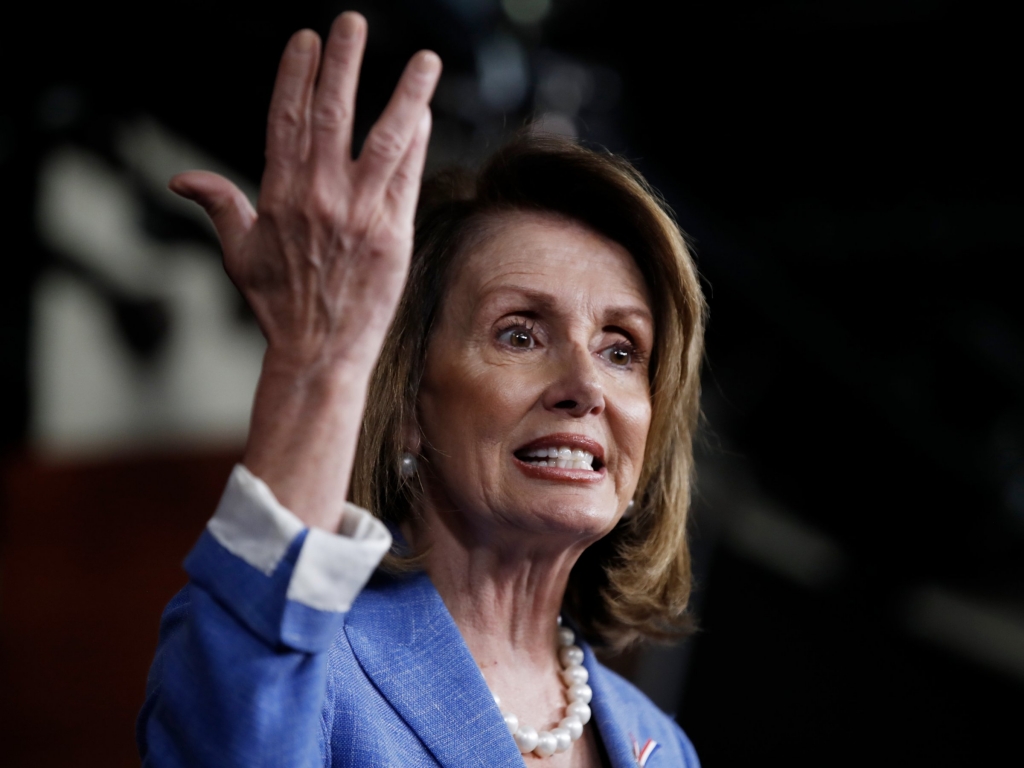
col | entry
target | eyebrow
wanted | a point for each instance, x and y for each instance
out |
(547, 301)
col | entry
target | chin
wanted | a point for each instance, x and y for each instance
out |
(583, 520)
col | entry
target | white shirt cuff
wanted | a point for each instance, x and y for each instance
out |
(332, 568)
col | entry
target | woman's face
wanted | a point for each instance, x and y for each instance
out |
(542, 345)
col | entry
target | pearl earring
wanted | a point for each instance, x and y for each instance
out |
(629, 510)
(407, 466)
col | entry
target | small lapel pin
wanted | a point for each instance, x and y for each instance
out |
(643, 754)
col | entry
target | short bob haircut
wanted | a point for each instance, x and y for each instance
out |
(635, 582)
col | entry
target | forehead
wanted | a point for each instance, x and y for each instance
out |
(545, 254)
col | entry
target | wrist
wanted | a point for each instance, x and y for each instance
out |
(304, 428)
(314, 375)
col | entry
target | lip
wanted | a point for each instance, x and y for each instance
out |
(568, 440)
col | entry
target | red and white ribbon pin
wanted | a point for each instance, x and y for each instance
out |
(643, 754)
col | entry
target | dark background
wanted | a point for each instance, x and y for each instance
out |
(850, 176)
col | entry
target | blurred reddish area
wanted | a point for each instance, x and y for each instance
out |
(90, 554)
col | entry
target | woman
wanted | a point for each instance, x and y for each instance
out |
(526, 438)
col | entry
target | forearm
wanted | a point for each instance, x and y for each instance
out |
(322, 259)
(303, 435)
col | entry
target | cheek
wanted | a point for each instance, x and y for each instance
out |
(632, 422)
(471, 409)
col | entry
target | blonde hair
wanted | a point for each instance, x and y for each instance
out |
(635, 582)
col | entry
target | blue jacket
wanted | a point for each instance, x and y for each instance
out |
(245, 675)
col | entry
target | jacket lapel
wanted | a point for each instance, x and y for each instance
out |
(409, 646)
(609, 714)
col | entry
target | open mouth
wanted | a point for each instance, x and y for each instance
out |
(564, 450)
(563, 457)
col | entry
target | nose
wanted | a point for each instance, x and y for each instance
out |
(576, 387)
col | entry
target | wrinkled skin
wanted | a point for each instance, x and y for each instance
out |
(322, 261)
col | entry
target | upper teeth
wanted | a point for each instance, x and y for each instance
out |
(564, 457)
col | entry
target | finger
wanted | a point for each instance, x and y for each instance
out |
(335, 100)
(404, 188)
(390, 137)
(228, 208)
(288, 119)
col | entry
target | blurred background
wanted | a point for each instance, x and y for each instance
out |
(850, 176)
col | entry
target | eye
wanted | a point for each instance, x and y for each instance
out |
(620, 355)
(518, 337)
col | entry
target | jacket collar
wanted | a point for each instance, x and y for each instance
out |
(408, 644)
(615, 719)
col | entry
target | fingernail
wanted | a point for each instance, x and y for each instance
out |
(351, 24)
(305, 40)
(182, 190)
(428, 61)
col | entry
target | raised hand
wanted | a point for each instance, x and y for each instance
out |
(323, 259)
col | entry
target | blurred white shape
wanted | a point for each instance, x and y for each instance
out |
(156, 154)
(86, 209)
(503, 73)
(89, 393)
(91, 396)
(564, 86)
(770, 536)
(554, 123)
(990, 634)
(526, 11)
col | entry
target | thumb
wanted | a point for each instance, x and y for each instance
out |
(228, 208)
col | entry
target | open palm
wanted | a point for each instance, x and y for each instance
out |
(323, 258)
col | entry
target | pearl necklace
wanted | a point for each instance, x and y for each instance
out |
(577, 712)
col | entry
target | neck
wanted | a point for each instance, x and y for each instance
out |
(503, 586)
(505, 607)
